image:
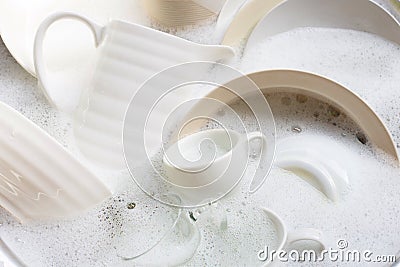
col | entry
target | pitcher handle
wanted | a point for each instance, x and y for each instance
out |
(39, 63)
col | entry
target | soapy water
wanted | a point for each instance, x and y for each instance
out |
(110, 230)
(103, 236)
(354, 217)
(159, 118)
(365, 215)
(362, 62)
(203, 32)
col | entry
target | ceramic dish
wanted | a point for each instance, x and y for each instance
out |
(360, 15)
(317, 158)
(39, 179)
(271, 17)
(156, 119)
(208, 163)
(322, 88)
(244, 21)
(228, 11)
(128, 55)
(177, 13)
(8, 257)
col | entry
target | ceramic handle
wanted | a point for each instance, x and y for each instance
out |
(39, 63)
(255, 184)
(323, 177)
(330, 177)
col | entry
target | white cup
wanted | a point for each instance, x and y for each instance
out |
(208, 164)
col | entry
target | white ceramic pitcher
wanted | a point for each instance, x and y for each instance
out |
(128, 54)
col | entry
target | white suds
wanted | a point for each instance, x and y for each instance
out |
(366, 215)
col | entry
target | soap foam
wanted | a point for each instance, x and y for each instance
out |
(362, 62)
(366, 216)
(202, 33)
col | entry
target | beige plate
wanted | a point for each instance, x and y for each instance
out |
(359, 15)
(320, 87)
(276, 16)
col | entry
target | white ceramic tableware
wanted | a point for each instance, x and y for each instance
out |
(228, 11)
(157, 118)
(246, 19)
(319, 160)
(128, 55)
(360, 15)
(208, 163)
(20, 19)
(38, 178)
(176, 13)
(8, 257)
(266, 18)
(287, 238)
(324, 89)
